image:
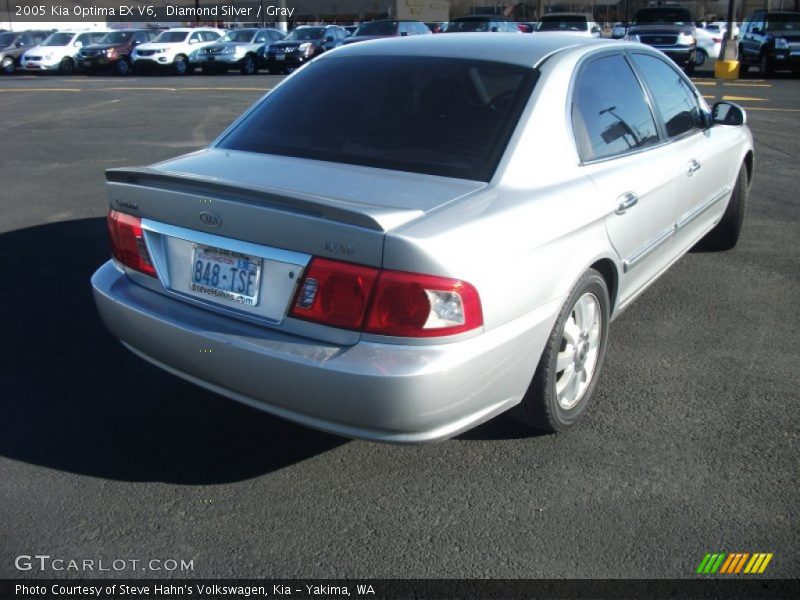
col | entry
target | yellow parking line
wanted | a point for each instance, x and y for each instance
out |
(214, 89)
(710, 83)
(748, 85)
(130, 89)
(761, 108)
(744, 99)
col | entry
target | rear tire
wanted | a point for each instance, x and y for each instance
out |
(570, 365)
(726, 233)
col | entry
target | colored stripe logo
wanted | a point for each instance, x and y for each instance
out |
(734, 563)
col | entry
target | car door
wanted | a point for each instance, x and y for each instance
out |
(708, 153)
(637, 174)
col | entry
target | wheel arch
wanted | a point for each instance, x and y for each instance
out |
(608, 270)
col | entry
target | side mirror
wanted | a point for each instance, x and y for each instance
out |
(329, 39)
(19, 43)
(596, 29)
(494, 29)
(78, 44)
(755, 30)
(135, 42)
(728, 113)
(193, 41)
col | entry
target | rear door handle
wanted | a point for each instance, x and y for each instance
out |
(626, 200)
(694, 166)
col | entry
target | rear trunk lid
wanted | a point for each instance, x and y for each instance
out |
(319, 208)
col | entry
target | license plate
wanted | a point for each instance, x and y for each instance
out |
(280, 57)
(211, 58)
(87, 63)
(225, 276)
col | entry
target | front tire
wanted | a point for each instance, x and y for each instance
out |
(123, 67)
(570, 365)
(700, 57)
(7, 67)
(180, 65)
(248, 66)
(67, 67)
(726, 233)
(765, 65)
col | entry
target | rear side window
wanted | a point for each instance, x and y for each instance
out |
(610, 115)
(440, 116)
(673, 97)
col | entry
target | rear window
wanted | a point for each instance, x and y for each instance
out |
(377, 28)
(563, 23)
(662, 16)
(439, 116)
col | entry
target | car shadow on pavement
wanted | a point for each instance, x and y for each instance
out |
(74, 399)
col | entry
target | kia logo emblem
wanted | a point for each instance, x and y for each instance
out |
(209, 219)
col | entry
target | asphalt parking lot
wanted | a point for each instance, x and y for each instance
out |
(691, 446)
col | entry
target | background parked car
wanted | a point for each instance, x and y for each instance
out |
(114, 50)
(237, 49)
(720, 27)
(574, 23)
(373, 30)
(174, 48)
(770, 40)
(14, 43)
(59, 51)
(709, 46)
(668, 28)
(481, 23)
(619, 30)
(301, 45)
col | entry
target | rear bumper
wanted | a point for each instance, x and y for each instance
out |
(385, 392)
(681, 55)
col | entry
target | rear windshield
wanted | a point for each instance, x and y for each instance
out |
(58, 39)
(439, 116)
(672, 16)
(377, 28)
(563, 23)
(467, 26)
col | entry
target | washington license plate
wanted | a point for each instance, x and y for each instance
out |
(226, 276)
(280, 57)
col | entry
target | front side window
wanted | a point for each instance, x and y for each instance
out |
(377, 28)
(610, 115)
(439, 116)
(672, 95)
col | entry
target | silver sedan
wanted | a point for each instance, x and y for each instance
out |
(408, 237)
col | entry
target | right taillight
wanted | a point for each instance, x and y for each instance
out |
(385, 302)
(127, 242)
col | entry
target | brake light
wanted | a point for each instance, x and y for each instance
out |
(127, 242)
(334, 293)
(716, 40)
(386, 302)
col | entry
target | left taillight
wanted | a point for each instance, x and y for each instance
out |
(127, 242)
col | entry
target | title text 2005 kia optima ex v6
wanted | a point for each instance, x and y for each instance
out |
(410, 236)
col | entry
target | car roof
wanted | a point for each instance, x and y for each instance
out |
(480, 18)
(528, 50)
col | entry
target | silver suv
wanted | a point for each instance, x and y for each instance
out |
(237, 49)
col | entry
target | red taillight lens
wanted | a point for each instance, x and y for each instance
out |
(334, 293)
(716, 40)
(414, 305)
(386, 302)
(127, 242)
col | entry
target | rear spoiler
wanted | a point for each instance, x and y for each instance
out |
(370, 216)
